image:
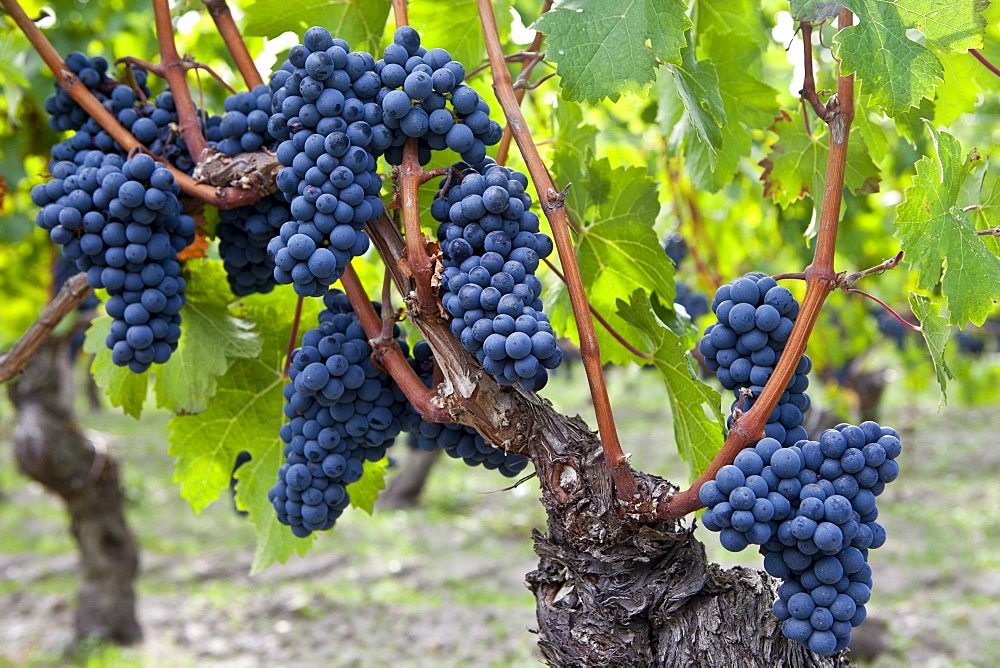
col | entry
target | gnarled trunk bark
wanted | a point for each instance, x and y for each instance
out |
(51, 447)
(611, 589)
(623, 591)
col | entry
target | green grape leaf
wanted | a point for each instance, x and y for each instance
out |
(872, 132)
(617, 251)
(12, 45)
(360, 22)
(939, 238)
(795, 166)
(894, 70)
(454, 25)
(987, 211)
(749, 104)
(211, 338)
(966, 81)
(936, 333)
(123, 388)
(245, 413)
(815, 11)
(365, 491)
(954, 25)
(600, 46)
(275, 541)
(697, 85)
(699, 426)
(575, 148)
(744, 18)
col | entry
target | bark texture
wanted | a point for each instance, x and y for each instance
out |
(634, 593)
(50, 447)
(613, 588)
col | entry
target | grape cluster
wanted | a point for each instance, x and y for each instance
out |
(244, 233)
(343, 411)
(156, 126)
(66, 269)
(676, 248)
(243, 128)
(491, 248)
(422, 96)
(152, 124)
(811, 508)
(755, 318)
(693, 302)
(324, 113)
(64, 113)
(457, 440)
(121, 222)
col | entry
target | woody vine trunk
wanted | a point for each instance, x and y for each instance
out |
(50, 447)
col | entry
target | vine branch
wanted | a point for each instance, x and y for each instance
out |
(981, 58)
(808, 91)
(880, 268)
(820, 281)
(174, 70)
(519, 93)
(219, 11)
(73, 292)
(222, 198)
(293, 337)
(854, 291)
(555, 211)
(611, 330)
(388, 353)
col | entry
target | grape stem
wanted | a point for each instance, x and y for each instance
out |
(701, 233)
(986, 63)
(821, 279)
(144, 64)
(222, 198)
(536, 45)
(388, 314)
(399, 13)
(387, 353)
(853, 291)
(808, 92)
(219, 11)
(611, 330)
(522, 84)
(174, 70)
(73, 293)
(555, 212)
(708, 277)
(293, 338)
(410, 175)
(526, 56)
(880, 268)
(189, 63)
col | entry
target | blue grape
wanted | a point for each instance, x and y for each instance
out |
(807, 526)
(487, 287)
(343, 411)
